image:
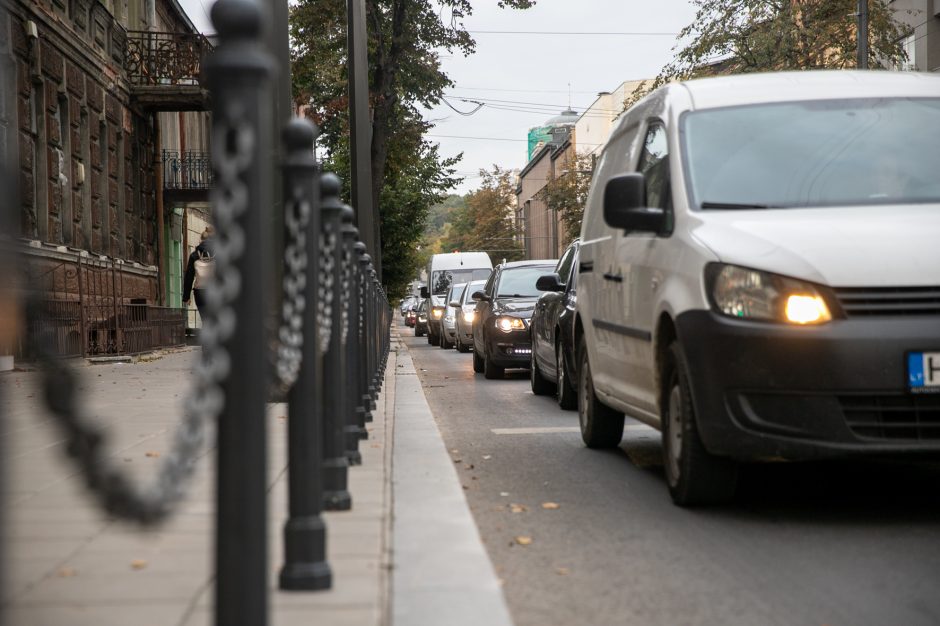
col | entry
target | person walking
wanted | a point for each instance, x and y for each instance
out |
(199, 270)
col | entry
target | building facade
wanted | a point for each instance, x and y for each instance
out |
(923, 44)
(96, 93)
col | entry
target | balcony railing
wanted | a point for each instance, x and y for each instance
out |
(189, 170)
(165, 58)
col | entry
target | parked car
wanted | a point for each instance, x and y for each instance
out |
(406, 304)
(552, 331)
(421, 319)
(466, 311)
(443, 271)
(760, 273)
(449, 321)
(501, 323)
(411, 316)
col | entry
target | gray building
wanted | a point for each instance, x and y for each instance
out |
(923, 44)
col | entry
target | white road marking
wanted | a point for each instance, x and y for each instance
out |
(555, 429)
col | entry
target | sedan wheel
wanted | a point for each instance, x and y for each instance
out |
(477, 362)
(601, 426)
(540, 386)
(490, 369)
(694, 475)
(566, 395)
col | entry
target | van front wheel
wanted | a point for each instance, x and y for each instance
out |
(694, 475)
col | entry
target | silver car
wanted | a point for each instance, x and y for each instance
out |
(464, 312)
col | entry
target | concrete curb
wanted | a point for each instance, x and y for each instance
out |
(442, 572)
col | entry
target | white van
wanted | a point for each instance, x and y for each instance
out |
(445, 270)
(760, 273)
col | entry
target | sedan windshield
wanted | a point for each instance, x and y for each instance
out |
(519, 282)
(813, 154)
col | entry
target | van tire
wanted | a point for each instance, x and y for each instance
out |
(694, 476)
(477, 362)
(601, 426)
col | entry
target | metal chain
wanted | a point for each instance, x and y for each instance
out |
(116, 493)
(288, 355)
(346, 293)
(325, 289)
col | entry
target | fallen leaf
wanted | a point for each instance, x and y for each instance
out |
(66, 572)
(466, 487)
(550, 505)
(504, 494)
(562, 571)
(518, 508)
(138, 564)
(455, 450)
(458, 460)
(522, 540)
(487, 457)
(152, 454)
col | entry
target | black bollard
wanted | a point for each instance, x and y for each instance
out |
(336, 496)
(367, 271)
(238, 74)
(305, 565)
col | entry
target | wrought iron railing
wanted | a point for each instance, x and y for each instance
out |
(191, 170)
(165, 58)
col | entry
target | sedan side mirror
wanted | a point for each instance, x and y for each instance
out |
(479, 296)
(424, 292)
(455, 304)
(549, 282)
(625, 205)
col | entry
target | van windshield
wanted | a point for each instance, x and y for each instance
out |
(441, 280)
(813, 154)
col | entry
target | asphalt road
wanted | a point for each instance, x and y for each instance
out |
(823, 543)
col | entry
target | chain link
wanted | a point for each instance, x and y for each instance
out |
(346, 292)
(289, 355)
(328, 240)
(116, 493)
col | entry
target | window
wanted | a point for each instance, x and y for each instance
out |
(654, 165)
(563, 269)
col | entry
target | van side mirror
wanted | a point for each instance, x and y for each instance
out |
(549, 282)
(424, 292)
(625, 205)
(479, 296)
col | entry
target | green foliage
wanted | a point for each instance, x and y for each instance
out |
(567, 193)
(486, 222)
(405, 41)
(738, 36)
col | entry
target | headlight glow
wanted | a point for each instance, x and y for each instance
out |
(752, 294)
(807, 309)
(437, 312)
(508, 324)
(468, 316)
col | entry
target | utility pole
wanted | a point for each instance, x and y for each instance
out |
(360, 125)
(862, 34)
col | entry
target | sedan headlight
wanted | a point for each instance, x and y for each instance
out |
(437, 312)
(751, 294)
(508, 324)
(468, 316)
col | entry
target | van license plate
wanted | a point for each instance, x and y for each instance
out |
(923, 372)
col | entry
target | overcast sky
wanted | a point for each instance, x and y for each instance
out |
(530, 74)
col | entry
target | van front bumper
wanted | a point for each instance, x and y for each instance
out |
(765, 390)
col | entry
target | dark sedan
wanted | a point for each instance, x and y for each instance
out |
(421, 320)
(552, 332)
(501, 324)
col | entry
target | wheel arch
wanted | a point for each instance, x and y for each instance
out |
(665, 335)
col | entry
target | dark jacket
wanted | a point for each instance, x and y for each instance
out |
(203, 250)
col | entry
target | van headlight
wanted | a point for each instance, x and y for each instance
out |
(744, 293)
(437, 312)
(508, 324)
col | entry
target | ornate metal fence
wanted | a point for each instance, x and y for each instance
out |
(83, 309)
(155, 58)
(189, 170)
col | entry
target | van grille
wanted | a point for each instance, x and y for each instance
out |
(885, 301)
(893, 416)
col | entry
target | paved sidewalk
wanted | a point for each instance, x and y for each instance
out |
(65, 563)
